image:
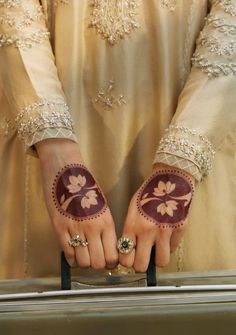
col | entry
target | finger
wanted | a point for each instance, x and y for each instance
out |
(175, 239)
(143, 253)
(127, 260)
(96, 252)
(82, 254)
(68, 250)
(163, 249)
(109, 241)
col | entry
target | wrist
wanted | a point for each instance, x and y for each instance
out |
(64, 149)
(168, 167)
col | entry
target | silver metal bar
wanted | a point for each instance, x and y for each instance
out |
(116, 291)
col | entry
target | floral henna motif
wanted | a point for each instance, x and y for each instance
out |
(76, 194)
(165, 198)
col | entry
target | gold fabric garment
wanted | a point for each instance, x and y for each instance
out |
(121, 96)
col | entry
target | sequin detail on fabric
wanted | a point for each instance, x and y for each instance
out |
(41, 115)
(60, 2)
(21, 26)
(216, 45)
(9, 3)
(26, 19)
(226, 5)
(24, 42)
(213, 69)
(114, 19)
(170, 4)
(6, 127)
(187, 143)
(221, 25)
(107, 99)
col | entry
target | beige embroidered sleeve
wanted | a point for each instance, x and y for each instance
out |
(206, 107)
(29, 75)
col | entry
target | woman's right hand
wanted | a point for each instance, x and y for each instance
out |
(76, 205)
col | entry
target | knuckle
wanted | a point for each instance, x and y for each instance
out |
(180, 229)
(107, 216)
(91, 228)
(109, 225)
(162, 231)
(147, 228)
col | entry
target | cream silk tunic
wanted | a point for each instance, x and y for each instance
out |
(122, 72)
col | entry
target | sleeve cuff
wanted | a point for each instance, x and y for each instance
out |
(44, 119)
(46, 134)
(178, 162)
(185, 148)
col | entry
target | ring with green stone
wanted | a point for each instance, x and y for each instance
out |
(125, 245)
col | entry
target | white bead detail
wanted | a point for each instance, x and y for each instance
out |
(63, 2)
(170, 4)
(114, 19)
(6, 127)
(41, 115)
(226, 5)
(189, 144)
(215, 69)
(215, 45)
(9, 3)
(28, 17)
(220, 25)
(107, 99)
(25, 41)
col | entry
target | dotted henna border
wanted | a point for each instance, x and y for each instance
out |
(57, 205)
(138, 200)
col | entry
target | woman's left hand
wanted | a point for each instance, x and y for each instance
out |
(157, 215)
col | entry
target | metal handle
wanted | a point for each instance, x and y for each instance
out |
(151, 271)
(66, 272)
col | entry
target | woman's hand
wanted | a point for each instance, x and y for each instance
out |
(157, 215)
(76, 206)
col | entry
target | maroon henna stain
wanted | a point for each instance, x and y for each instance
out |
(165, 198)
(76, 193)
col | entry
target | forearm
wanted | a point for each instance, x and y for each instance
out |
(58, 147)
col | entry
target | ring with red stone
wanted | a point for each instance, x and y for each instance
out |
(76, 241)
(125, 245)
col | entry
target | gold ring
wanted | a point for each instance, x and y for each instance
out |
(76, 241)
(125, 245)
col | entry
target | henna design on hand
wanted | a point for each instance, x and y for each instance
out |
(165, 198)
(76, 193)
